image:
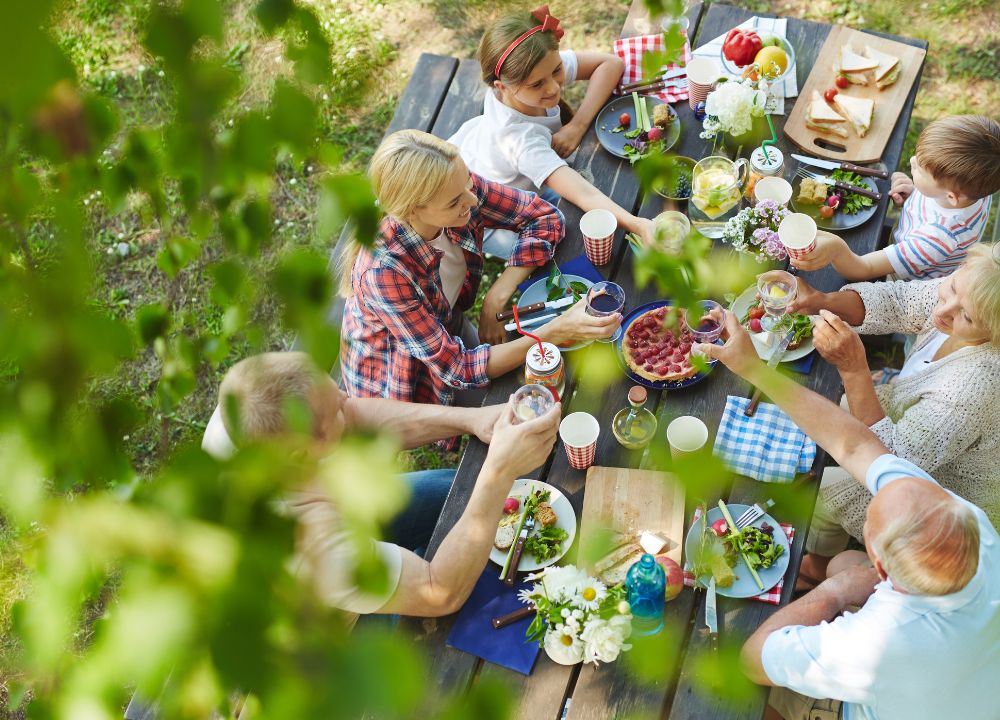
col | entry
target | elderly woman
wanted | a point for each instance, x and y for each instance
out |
(941, 412)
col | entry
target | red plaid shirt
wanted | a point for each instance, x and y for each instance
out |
(394, 341)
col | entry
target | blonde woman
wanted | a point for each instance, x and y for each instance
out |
(941, 411)
(403, 336)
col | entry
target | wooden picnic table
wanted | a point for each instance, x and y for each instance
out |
(610, 691)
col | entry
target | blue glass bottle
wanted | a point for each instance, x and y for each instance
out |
(647, 583)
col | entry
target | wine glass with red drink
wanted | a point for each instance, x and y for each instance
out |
(603, 299)
(707, 327)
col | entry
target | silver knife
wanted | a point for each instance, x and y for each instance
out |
(847, 187)
(531, 322)
(834, 165)
(712, 615)
(772, 361)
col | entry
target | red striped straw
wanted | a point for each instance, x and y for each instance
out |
(537, 339)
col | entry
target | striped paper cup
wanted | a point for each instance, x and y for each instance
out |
(702, 74)
(579, 432)
(598, 230)
(797, 232)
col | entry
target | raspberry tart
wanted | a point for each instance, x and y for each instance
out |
(656, 353)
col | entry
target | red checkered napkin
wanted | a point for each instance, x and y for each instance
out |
(632, 50)
(772, 596)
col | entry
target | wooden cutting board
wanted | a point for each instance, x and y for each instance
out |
(630, 501)
(888, 103)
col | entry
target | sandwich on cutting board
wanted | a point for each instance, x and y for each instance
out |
(858, 110)
(820, 116)
(888, 68)
(854, 66)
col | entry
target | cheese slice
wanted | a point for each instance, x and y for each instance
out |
(858, 110)
(888, 66)
(851, 62)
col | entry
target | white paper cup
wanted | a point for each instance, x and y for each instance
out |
(773, 188)
(702, 73)
(686, 434)
(598, 230)
(579, 432)
(797, 232)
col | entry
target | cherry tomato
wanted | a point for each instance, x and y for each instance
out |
(720, 527)
(757, 311)
(826, 212)
(830, 94)
(842, 82)
(624, 120)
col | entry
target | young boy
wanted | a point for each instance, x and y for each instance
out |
(955, 170)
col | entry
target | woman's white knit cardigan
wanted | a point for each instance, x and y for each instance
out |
(944, 419)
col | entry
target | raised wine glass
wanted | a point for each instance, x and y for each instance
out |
(777, 290)
(605, 298)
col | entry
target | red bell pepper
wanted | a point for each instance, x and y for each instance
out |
(741, 46)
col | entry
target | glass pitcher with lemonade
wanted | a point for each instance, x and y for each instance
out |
(717, 185)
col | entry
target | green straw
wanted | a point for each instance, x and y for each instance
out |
(772, 141)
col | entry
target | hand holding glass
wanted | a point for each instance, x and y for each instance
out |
(777, 291)
(603, 299)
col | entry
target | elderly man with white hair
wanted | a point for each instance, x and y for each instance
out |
(925, 642)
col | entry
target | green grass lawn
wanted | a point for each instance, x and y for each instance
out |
(375, 46)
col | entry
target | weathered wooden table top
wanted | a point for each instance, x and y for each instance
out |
(611, 691)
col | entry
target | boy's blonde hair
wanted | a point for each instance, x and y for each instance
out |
(983, 264)
(962, 152)
(262, 386)
(409, 168)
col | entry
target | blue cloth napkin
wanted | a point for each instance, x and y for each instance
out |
(474, 633)
(767, 447)
(579, 265)
(803, 365)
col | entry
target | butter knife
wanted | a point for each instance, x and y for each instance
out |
(515, 559)
(772, 361)
(712, 615)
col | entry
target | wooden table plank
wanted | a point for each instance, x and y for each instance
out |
(422, 99)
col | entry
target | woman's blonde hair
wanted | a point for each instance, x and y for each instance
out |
(983, 264)
(409, 168)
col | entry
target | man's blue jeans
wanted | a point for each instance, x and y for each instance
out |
(413, 527)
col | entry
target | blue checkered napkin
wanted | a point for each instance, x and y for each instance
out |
(767, 446)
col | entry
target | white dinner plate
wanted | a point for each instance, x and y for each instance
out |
(566, 519)
(743, 586)
(760, 340)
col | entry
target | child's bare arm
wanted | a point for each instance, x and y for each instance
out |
(833, 250)
(603, 71)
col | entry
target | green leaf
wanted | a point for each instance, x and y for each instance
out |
(153, 321)
(177, 253)
(272, 14)
(294, 116)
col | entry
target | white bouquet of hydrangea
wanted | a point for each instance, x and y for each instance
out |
(755, 231)
(577, 618)
(732, 106)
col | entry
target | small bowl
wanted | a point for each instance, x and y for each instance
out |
(686, 162)
(732, 69)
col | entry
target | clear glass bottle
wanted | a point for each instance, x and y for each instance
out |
(646, 582)
(634, 426)
(769, 164)
(544, 366)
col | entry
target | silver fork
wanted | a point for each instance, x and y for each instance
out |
(830, 182)
(752, 514)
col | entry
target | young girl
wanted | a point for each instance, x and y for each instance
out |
(525, 130)
(404, 336)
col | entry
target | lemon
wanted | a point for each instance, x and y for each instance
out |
(777, 291)
(772, 61)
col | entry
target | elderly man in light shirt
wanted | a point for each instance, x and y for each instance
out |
(925, 642)
(326, 554)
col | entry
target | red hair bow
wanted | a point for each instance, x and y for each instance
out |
(549, 23)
